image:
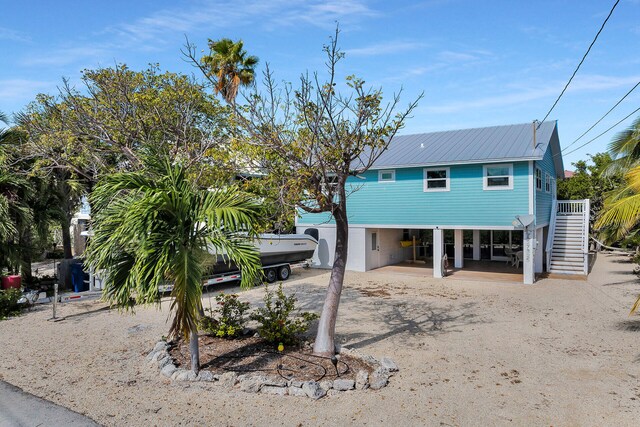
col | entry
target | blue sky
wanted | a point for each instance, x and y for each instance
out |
(479, 63)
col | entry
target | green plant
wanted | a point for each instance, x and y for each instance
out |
(280, 321)
(227, 319)
(9, 302)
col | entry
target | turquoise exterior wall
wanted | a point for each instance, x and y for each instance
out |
(404, 202)
(544, 199)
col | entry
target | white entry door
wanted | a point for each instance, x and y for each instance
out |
(373, 249)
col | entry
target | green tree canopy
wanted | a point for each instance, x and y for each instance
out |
(156, 225)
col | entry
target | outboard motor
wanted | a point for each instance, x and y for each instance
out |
(313, 232)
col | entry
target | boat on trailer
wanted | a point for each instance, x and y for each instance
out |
(278, 252)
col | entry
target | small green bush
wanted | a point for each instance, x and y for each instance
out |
(227, 319)
(9, 302)
(280, 321)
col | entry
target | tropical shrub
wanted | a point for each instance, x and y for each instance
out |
(9, 302)
(227, 320)
(280, 321)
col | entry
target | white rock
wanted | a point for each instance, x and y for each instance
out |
(164, 362)
(252, 384)
(379, 378)
(326, 385)
(228, 379)
(277, 382)
(296, 391)
(186, 376)
(313, 390)
(270, 389)
(343, 384)
(161, 345)
(168, 370)
(362, 379)
(205, 376)
(389, 364)
(177, 372)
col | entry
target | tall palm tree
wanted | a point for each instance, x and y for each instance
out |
(229, 66)
(620, 215)
(156, 225)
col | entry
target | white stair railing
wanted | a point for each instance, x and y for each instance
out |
(552, 232)
(585, 235)
(570, 208)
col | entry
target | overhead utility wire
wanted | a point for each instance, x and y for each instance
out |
(593, 139)
(578, 67)
(601, 118)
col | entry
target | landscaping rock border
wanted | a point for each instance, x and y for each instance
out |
(383, 369)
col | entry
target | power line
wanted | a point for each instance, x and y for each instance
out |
(593, 139)
(581, 61)
(601, 118)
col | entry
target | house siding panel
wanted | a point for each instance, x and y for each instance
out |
(404, 202)
(544, 199)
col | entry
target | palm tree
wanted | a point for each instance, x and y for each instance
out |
(156, 225)
(625, 148)
(229, 67)
(620, 215)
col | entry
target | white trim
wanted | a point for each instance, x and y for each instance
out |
(425, 180)
(458, 162)
(547, 182)
(535, 178)
(382, 171)
(485, 178)
(418, 226)
(531, 187)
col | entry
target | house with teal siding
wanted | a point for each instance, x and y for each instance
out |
(476, 194)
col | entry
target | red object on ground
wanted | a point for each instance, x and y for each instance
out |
(9, 282)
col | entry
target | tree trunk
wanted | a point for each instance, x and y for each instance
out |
(325, 338)
(194, 350)
(25, 243)
(66, 238)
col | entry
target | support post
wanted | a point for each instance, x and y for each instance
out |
(414, 249)
(458, 244)
(438, 252)
(528, 264)
(539, 250)
(476, 245)
(55, 300)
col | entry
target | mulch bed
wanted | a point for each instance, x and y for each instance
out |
(252, 355)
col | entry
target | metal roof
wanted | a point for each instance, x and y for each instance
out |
(479, 145)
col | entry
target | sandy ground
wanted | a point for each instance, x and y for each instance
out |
(558, 353)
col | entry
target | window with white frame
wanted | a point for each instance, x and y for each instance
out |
(538, 179)
(436, 179)
(387, 175)
(547, 183)
(498, 177)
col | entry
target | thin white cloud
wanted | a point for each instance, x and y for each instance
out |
(59, 57)
(14, 89)
(222, 14)
(13, 35)
(385, 48)
(587, 83)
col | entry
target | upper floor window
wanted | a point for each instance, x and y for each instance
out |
(498, 177)
(538, 179)
(436, 179)
(547, 183)
(387, 175)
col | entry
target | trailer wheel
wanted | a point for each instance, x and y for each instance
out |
(284, 272)
(270, 275)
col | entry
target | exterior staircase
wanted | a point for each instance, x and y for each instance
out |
(567, 245)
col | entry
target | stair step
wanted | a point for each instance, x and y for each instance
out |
(567, 257)
(565, 271)
(567, 265)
